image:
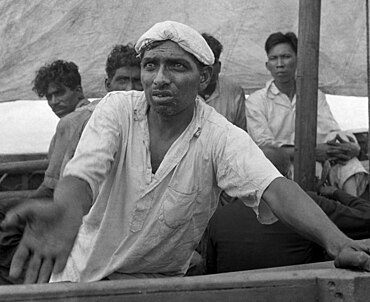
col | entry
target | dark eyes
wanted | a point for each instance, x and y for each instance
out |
(274, 58)
(179, 66)
(150, 66)
(55, 94)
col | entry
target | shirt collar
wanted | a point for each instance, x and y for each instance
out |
(194, 127)
(271, 88)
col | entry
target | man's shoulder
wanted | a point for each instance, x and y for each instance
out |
(213, 120)
(76, 117)
(227, 83)
(123, 98)
(257, 96)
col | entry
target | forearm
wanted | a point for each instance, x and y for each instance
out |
(74, 196)
(295, 208)
(289, 149)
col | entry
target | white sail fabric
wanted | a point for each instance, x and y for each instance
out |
(84, 31)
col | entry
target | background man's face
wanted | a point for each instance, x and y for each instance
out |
(282, 62)
(125, 78)
(62, 99)
(170, 78)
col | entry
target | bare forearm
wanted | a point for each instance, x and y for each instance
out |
(74, 196)
(289, 149)
(295, 208)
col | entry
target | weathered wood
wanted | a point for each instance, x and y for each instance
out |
(21, 167)
(304, 283)
(4, 158)
(15, 194)
(368, 73)
(307, 86)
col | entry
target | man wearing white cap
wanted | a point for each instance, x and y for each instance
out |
(146, 177)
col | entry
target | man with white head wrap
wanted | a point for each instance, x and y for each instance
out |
(146, 176)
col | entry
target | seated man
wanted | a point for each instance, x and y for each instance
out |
(237, 241)
(137, 196)
(60, 83)
(271, 118)
(222, 93)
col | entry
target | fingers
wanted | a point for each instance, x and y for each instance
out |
(351, 139)
(18, 262)
(33, 269)
(60, 263)
(45, 271)
(339, 139)
(353, 259)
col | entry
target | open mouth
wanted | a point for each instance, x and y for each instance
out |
(162, 96)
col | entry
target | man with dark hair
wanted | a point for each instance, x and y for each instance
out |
(271, 118)
(137, 196)
(123, 69)
(60, 83)
(222, 93)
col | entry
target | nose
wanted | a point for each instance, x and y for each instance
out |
(280, 62)
(161, 77)
(53, 100)
(129, 85)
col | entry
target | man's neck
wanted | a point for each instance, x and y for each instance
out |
(169, 126)
(163, 132)
(288, 88)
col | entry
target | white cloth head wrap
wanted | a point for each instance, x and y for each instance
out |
(186, 37)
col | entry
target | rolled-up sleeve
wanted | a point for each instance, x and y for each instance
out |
(243, 171)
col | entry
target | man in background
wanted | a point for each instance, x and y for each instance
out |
(223, 94)
(123, 69)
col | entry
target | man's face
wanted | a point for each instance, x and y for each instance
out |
(171, 79)
(62, 99)
(282, 62)
(125, 78)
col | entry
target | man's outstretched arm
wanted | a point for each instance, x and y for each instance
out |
(295, 208)
(50, 230)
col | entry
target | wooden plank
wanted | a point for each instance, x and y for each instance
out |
(307, 85)
(4, 158)
(21, 167)
(295, 283)
(16, 194)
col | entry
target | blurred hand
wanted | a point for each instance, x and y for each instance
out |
(342, 151)
(48, 238)
(321, 152)
(327, 191)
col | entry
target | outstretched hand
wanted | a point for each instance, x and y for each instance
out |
(47, 241)
(354, 255)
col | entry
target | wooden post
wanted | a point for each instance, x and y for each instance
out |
(307, 86)
(368, 81)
